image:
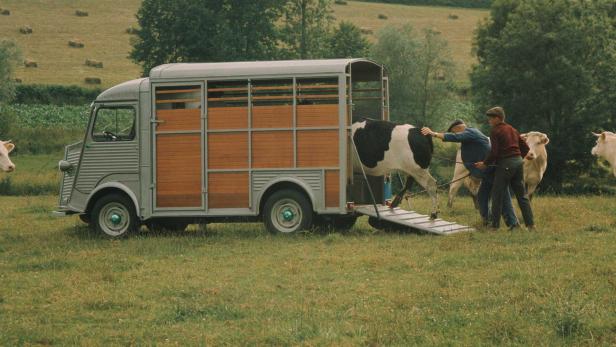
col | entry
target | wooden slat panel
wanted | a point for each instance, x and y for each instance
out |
(317, 148)
(228, 190)
(317, 115)
(272, 116)
(228, 151)
(227, 118)
(332, 189)
(272, 149)
(178, 170)
(180, 119)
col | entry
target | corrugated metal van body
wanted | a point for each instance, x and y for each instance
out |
(71, 154)
(106, 158)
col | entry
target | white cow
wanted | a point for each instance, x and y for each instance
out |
(384, 146)
(471, 183)
(535, 164)
(606, 148)
(536, 161)
(6, 164)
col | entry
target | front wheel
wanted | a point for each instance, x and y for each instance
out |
(287, 211)
(114, 215)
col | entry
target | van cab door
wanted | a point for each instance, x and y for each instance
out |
(111, 151)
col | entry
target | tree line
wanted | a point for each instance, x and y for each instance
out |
(550, 64)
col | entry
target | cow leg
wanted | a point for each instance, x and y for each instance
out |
(453, 191)
(428, 182)
(400, 195)
(472, 184)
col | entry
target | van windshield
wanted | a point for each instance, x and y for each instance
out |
(114, 124)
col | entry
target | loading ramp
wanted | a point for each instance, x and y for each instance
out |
(412, 219)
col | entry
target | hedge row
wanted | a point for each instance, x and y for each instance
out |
(54, 94)
(450, 3)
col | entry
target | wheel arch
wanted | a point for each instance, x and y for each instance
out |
(112, 187)
(285, 183)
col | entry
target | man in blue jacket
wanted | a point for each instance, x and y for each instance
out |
(475, 146)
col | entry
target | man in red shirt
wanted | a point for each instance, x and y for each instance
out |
(508, 151)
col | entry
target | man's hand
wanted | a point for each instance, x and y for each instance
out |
(480, 165)
(425, 131)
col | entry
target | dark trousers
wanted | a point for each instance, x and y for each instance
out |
(484, 195)
(510, 173)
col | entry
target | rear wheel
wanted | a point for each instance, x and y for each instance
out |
(114, 215)
(335, 222)
(85, 218)
(287, 211)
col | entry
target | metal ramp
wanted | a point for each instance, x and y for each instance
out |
(412, 220)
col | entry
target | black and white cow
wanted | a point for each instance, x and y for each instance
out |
(384, 146)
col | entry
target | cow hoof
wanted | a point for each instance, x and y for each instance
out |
(433, 215)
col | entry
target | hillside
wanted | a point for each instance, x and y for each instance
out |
(103, 33)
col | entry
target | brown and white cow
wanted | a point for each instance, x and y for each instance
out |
(606, 148)
(6, 164)
(384, 146)
(535, 164)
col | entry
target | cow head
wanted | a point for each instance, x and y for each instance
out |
(536, 142)
(6, 164)
(606, 145)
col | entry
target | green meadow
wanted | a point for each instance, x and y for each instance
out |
(235, 284)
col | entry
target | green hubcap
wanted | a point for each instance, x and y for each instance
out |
(115, 219)
(287, 215)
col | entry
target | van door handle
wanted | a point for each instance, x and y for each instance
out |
(158, 121)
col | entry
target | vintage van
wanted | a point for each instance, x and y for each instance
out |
(206, 142)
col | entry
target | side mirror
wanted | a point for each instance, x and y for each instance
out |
(65, 166)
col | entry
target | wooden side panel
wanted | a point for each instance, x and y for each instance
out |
(272, 116)
(317, 115)
(228, 150)
(317, 148)
(272, 149)
(227, 118)
(178, 170)
(178, 120)
(332, 188)
(228, 190)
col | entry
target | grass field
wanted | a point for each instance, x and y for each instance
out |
(234, 284)
(103, 32)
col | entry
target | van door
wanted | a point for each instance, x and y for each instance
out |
(111, 147)
(178, 146)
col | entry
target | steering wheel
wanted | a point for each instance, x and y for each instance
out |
(110, 135)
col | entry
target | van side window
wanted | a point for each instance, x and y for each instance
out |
(114, 124)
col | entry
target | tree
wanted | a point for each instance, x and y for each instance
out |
(306, 28)
(9, 56)
(551, 66)
(347, 41)
(420, 74)
(205, 31)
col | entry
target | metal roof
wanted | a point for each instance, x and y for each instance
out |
(128, 90)
(254, 68)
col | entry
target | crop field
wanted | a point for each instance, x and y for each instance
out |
(103, 33)
(234, 284)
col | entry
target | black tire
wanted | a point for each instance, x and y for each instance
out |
(114, 215)
(386, 225)
(166, 225)
(85, 218)
(287, 211)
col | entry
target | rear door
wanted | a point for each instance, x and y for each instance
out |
(178, 146)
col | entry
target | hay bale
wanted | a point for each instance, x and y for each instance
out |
(81, 13)
(453, 16)
(340, 2)
(30, 63)
(5, 12)
(94, 63)
(26, 29)
(131, 31)
(75, 43)
(366, 31)
(92, 80)
(382, 16)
